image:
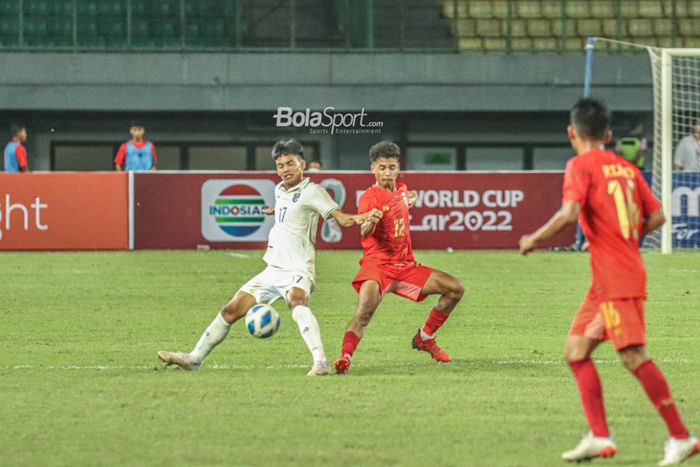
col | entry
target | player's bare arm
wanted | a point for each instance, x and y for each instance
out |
(564, 217)
(348, 220)
(655, 220)
(368, 226)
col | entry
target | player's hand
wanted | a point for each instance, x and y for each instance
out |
(269, 211)
(527, 244)
(412, 197)
(374, 216)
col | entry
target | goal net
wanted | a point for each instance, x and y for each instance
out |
(675, 168)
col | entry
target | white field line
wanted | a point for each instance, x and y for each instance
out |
(294, 366)
(239, 255)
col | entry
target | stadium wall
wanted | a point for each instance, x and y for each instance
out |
(468, 99)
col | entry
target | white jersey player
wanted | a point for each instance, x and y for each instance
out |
(290, 273)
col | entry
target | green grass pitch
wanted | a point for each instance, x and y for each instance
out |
(80, 383)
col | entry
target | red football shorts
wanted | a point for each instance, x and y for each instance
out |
(620, 321)
(404, 279)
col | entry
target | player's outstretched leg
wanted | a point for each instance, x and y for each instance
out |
(215, 333)
(681, 445)
(451, 291)
(297, 301)
(597, 442)
(368, 300)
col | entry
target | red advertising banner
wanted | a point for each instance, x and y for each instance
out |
(63, 211)
(456, 210)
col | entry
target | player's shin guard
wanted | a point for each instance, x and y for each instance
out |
(214, 334)
(434, 322)
(591, 391)
(310, 331)
(350, 343)
(656, 387)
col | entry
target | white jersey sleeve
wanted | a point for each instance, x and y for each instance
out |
(320, 201)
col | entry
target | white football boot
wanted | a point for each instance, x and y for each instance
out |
(678, 450)
(180, 359)
(319, 369)
(591, 447)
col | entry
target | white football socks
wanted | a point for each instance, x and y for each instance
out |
(310, 331)
(214, 334)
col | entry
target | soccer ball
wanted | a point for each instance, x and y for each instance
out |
(262, 321)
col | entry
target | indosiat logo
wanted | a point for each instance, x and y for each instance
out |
(232, 209)
(237, 210)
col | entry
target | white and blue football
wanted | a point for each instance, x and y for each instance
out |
(262, 321)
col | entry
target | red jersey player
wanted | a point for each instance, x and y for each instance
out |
(615, 208)
(388, 264)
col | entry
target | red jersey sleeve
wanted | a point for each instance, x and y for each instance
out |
(649, 202)
(153, 151)
(21, 155)
(367, 202)
(121, 155)
(576, 182)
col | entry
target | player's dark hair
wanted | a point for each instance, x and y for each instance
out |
(591, 118)
(286, 147)
(136, 123)
(384, 149)
(15, 128)
(318, 161)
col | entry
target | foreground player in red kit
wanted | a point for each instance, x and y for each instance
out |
(615, 208)
(388, 264)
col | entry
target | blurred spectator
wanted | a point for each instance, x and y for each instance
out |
(315, 166)
(15, 155)
(687, 155)
(137, 154)
(634, 145)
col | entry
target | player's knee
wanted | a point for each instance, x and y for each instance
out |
(633, 356)
(457, 289)
(573, 353)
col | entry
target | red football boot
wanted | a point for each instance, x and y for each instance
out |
(342, 365)
(431, 347)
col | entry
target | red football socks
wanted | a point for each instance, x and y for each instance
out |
(591, 395)
(350, 342)
(656, 387)
(435, 320)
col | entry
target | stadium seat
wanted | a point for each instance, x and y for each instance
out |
(488, 27)
(681, 8)
(36, 7)
(521, 43)
(602, 9)
(480, 9)
(492, 43)
(499, 8)
(689, 27)
(528, 9)
(466, 27)
(87, 8)
(650, 9)
(517, 28)
(544, 43)
(694, 9)
(691, 41)
(640, 27)
(577, 9)
(539, 28)
(9, 8)
(588, 27)
(470, 43)
(551, 10)
(609, 27)
(663, 27)
(630, 9)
